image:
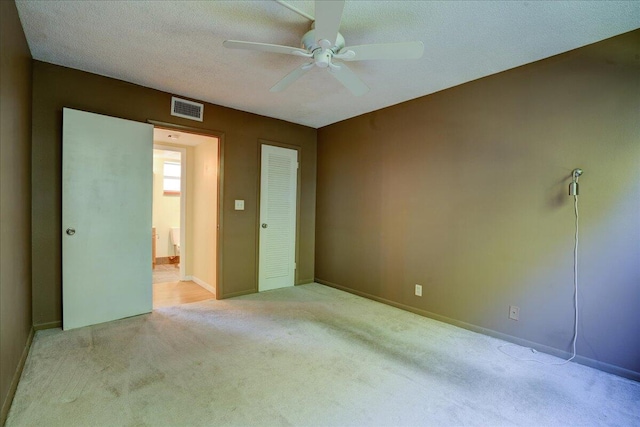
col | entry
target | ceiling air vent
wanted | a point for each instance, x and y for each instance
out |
(186, 109)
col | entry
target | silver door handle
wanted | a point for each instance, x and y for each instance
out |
(264, 225)
(71, 231)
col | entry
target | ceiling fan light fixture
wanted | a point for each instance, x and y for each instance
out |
(322, 58)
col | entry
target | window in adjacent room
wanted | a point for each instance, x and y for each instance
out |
(171, 181)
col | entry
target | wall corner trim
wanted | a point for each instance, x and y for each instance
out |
(6, 405)
(601, 366)
(202, 284)
(238, 294)
(48, 325)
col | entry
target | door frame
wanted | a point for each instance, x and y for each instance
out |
(219, 285)
(184, 253)
(297, 148)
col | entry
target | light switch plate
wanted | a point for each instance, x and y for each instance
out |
(239, 205)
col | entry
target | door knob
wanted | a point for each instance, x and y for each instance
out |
(264, 225)
(71, 231)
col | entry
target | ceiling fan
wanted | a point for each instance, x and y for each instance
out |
(323, 44)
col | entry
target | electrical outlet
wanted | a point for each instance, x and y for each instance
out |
(514, 312)
(419, 290)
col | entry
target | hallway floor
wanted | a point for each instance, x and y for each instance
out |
(168, 290)
(163, 273)
(176, 293)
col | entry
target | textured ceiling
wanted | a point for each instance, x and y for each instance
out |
(177, 46)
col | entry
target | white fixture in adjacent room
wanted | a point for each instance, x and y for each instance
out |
(174, 235)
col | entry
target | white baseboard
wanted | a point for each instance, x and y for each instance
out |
(202, 283)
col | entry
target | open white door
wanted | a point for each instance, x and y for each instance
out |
(106, 218)
(278, 193)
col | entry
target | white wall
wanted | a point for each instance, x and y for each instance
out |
(166, 209)
(204, 214)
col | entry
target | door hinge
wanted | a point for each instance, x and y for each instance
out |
(295, 266)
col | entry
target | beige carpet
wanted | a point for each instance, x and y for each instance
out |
(309, 355)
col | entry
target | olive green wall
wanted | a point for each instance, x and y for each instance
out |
(465, 192)
(55, 87)
(15, 202)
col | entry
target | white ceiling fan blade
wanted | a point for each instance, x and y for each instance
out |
(405, 50)
(264, 47)
(350, 80)
(328, 16)
(290, 78)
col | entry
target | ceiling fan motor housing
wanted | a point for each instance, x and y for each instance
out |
(310, 44)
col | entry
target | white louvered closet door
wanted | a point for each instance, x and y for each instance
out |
(278, 190)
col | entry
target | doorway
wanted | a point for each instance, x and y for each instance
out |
(185, 217)
(168, 217)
